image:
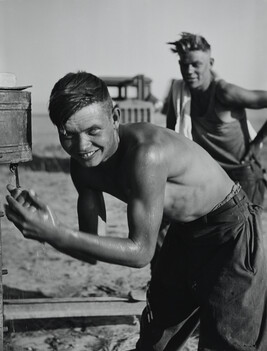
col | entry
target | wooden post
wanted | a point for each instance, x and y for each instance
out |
(140, 87)
(1, 290)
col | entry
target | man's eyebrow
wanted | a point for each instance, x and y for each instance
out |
(94, 126)
(62, 129)
(193, 61)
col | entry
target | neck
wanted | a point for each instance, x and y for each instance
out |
(114, 159)
(204, 90)
(205, 86)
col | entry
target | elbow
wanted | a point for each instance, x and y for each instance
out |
(142, 259)
(140, 263)
(140, 253)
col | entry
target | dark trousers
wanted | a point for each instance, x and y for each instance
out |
(252, 177)
(210, 272)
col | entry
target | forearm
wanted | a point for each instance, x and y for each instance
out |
(232, 95)
(85, 246)
(260, 102)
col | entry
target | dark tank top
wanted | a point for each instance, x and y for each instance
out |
(226, 142)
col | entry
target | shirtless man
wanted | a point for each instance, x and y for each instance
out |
(210, 269)
(218, 115)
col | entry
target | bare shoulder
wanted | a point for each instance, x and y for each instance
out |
(224, 90)
(145, 134)
(148, 145)
(233, 95)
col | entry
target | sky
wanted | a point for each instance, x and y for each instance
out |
(42, 40)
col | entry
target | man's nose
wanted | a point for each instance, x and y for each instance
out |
(190, 69)
(84, 141)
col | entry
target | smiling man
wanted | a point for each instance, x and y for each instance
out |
(212, 112)
(211, 268)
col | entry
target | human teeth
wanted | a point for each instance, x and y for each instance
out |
(88, 154)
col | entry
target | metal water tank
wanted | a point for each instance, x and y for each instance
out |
(15, 125)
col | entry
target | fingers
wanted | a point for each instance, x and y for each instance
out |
(35, 200)
(15, 192)
(14, 217)
(15, 207)
(22, 226)
(27, 212)
(19, 215)
(24, 197)
(29, 209)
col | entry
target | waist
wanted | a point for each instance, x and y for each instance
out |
(220, 224)
(236, 198)
(234, 191)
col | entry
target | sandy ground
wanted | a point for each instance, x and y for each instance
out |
(36, 270)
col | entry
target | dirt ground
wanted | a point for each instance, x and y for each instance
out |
(37, 270)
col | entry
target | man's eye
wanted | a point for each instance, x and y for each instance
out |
(185, 66)
(66, 134)
(94, 131)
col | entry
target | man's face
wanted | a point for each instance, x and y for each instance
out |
(196, 69)
(90, 135)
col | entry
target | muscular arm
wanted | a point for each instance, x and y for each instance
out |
(92, 218)
(235, 96)
(144, 211)
(145, 208)
(89, 202)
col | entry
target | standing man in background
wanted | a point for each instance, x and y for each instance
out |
(212, 112)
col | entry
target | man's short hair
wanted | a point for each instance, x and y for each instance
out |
(75, 91)
(189, 42)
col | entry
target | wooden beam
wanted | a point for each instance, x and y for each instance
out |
(99, 310)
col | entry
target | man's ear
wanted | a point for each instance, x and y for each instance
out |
(211, 61)
(116, 116)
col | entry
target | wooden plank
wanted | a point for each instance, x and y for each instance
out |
(53, 300)
(15, 310)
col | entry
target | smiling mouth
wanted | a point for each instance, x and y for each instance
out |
(191, 78)
(87, 155)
